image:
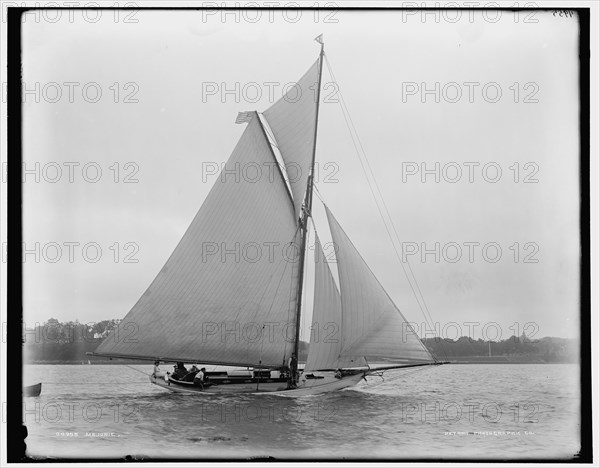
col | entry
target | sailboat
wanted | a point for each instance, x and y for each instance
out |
(230, 294)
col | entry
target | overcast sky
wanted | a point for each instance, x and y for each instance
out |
(174, 61)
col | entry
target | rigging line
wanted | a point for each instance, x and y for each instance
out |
(384, 223)
(354, 134)
(406, 372)
(398, 377)
(382, 199)
(320, 197)
(137, 370)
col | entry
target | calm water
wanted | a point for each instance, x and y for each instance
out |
(455, 411)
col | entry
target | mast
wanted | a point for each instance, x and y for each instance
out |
(306, 212)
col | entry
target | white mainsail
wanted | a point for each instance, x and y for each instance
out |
(372, 326)
(292, 120)
(228, 292)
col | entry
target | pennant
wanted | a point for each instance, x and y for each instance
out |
(244, 117)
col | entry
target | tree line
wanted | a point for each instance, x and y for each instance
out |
(68, 342)
(547, 349)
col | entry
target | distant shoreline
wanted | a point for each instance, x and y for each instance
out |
(71, 343)
(92, 363)
(464, 360)
(492, 361)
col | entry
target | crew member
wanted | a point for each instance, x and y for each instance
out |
(200, 377)
(191, 375)
(157, 372)
(180, 371)
(293, 368)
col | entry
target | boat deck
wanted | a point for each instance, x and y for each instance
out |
(310, 384)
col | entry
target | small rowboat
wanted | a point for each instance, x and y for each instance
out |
(32, 390)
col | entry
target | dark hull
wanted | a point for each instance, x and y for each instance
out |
(231, 384)
(32, 390)
(323, 384)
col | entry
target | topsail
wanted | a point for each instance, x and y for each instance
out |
(293, 121)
